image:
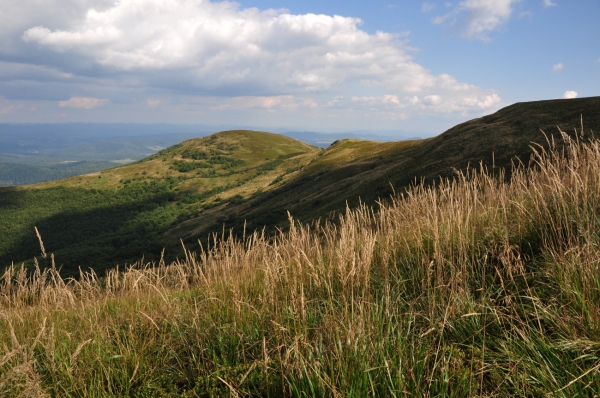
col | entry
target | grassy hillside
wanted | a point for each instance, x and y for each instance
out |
(117, 215)
(351, 170)
(478, 287)
(250, 179)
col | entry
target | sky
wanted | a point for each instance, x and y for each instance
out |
(396, 65)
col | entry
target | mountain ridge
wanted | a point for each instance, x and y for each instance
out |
(248, 179)
(495, 140)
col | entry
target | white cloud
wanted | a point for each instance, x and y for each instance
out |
(426, 7)
(9, 109)
(153, 102)
(82, 103)
(378, 100)
(251, 59)
(462, 105)
(440, 19)
(598, 61)
(432, 100)
(477, 18)
(558, 67)
(271, 103)
(570, 94)
(549, 3)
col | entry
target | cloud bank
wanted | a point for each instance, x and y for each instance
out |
(140, 49)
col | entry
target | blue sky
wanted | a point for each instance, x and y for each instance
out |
(313, 65)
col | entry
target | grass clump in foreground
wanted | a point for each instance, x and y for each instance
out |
(474, 287)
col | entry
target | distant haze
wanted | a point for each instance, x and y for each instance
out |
(36, 138)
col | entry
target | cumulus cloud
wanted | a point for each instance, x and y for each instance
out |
(433, 101)
(82, 103)
(477, 18)
(491, 101)
(549, 3)
(570, 94)
(377, 100)
(250, 58)
(558, 67)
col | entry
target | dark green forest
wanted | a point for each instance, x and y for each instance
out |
(85, 227)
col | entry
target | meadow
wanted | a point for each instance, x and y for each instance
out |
(478, 285)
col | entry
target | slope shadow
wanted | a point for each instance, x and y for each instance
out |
(10, 197)
(98, 237)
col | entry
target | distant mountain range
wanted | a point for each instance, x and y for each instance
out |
(33, 153)
(323, 140)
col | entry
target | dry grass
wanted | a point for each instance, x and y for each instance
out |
(473, 287)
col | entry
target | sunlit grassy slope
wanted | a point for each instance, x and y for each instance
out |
(238, 179)
(202, 165)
